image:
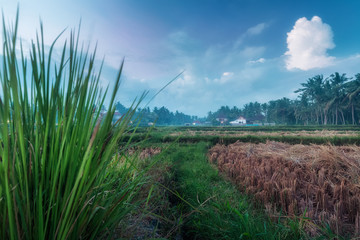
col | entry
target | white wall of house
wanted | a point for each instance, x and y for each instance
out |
(239, 121)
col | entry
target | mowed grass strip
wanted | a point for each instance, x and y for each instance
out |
(210, 207)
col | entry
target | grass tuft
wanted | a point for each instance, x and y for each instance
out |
(56, 148)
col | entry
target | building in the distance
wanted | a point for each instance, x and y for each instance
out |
(222, 119)
(240, 121)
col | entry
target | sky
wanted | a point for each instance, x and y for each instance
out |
(230, 52)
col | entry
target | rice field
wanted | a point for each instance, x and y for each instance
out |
(115, 180)
(302, 133)
(321, 182)
(300, 191)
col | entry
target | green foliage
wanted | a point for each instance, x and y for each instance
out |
(224, 112)
(165, 117)
(277, 128)
(166, 134)
(322, 101)
(121, 108)
(162, 116)
(211, 208)
(56, 151)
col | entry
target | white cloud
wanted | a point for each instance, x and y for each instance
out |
(256, 30)
(307, 43)
(252, 31)
(228, 74)
(182, 84)
(225, 77)
(252, 52)
(260, 60)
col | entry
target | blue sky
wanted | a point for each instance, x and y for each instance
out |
(233, 52)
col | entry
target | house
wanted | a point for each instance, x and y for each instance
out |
(196, 123)
(240, 121)
(222, 119)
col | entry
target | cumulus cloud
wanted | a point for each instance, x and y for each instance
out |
(308, 43)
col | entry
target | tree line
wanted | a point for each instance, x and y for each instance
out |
(162, 116)
(321, 101)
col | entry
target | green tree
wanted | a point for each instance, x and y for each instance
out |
(336, 94)
(121, 108)
(353, 96)
(314, 91)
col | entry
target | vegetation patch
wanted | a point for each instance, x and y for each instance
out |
(165, 137)
(57, 152)
(209, 207)
(317, 181)
(151, 206)
(239, 133)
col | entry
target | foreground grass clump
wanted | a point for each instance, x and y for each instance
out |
(320, 182)
(55, 148)
(209, 207)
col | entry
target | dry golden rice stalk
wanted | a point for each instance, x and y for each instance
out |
(322, 180)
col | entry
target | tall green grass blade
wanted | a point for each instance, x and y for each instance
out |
(55, 147)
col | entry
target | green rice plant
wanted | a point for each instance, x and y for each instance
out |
(166, 136)
(210, 207)
(55, 146)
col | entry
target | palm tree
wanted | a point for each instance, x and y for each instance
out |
(304, 111)
(336, 88)
(314, 91)
(353, 95)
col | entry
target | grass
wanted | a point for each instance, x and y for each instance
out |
(210, 207)
(165, 137)
(292, 128)
(63, 174)
(150, 214)
(55, 179)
